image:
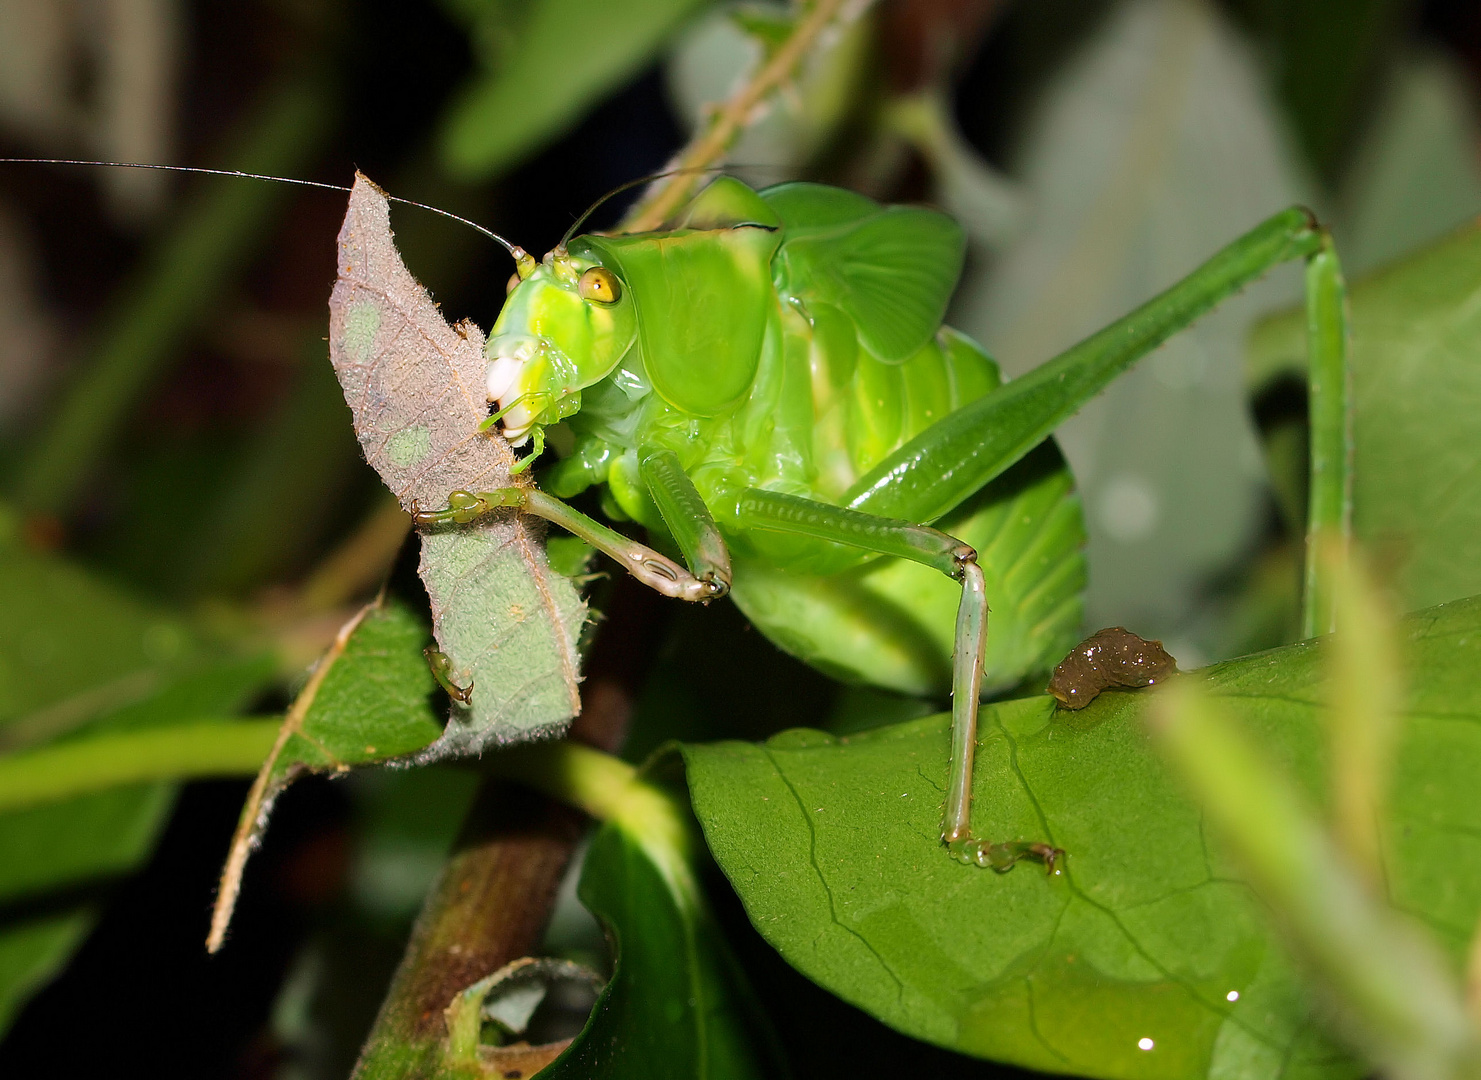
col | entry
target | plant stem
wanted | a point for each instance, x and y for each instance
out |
(178, 752)
(494, 897)
(489, 907)
(710, 147)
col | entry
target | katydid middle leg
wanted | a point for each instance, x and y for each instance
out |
(930, 547)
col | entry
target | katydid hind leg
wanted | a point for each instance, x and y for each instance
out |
(929, 547)
(965, 450)
(652, 568)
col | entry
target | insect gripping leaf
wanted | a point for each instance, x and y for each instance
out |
(415, 386)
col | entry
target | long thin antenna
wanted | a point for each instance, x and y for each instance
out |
(620, 188)
(513, 249)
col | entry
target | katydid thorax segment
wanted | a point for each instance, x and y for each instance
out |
(768, 387)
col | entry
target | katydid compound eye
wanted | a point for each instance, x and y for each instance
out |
(512, 283)
(599, 284)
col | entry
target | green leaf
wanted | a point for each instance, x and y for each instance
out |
(415, 387)
(1416, 363)
(78, 659)
(374, 703)
(832, 845)
(677, 1005)
(562, 58)
(368, 700)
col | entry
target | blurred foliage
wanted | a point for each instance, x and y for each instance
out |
(1414, 372)
(188, 525)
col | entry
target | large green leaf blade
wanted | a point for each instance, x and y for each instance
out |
(832, 845)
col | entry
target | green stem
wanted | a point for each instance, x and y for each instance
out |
(179, 752)
(174, 294)
(609, 789)
(1329, 507)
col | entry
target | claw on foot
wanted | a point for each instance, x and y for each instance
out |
(1003, 857)
(442, 671)
(465, 506)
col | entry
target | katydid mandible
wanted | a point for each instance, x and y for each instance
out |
(766, 386)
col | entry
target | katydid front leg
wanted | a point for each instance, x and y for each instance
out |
(653, 569)
(688, 518)
(930, 547)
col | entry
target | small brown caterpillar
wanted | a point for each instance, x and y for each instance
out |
(1110, 657)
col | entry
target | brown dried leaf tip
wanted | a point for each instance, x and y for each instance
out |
(1110, 657)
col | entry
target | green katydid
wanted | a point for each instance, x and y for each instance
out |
(727, 380)
(767, 387)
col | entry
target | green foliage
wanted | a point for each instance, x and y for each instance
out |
(832, 845)
(375, 702)
(516, 106)
(80, 660)
(1416, 370)
(677, 1005)
(1125, 964)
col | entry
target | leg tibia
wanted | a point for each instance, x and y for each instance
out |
(930, 547)
(687, 517)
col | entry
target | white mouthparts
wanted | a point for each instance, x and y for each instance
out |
(502, 373)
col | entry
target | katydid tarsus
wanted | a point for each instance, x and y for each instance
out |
(766, 385)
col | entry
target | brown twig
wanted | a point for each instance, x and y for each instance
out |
(489, 907)
(709, 148)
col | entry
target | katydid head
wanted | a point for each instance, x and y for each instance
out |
(566, 325)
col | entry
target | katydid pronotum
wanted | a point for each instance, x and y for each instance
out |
(765, 384)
